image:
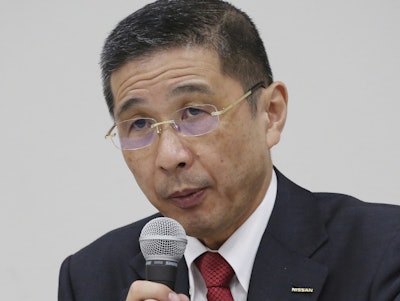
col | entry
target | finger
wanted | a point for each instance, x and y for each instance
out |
(142, 290)
(182, 297)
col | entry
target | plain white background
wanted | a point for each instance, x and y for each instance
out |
(63, 185)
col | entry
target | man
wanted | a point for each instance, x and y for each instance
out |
(196, 114)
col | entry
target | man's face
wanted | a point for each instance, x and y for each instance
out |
(211, 183)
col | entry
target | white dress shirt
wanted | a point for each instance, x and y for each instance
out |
(239, 250)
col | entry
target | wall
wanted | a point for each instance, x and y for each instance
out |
(63, 185)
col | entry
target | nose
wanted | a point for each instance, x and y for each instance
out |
(172, 153)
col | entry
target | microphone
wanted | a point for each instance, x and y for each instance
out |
(163, 242)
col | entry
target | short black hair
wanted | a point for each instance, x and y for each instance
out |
(211, 24)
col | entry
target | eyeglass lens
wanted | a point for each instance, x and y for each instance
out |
(189, 121)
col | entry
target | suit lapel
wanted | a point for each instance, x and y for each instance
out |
(283, 268)
(280, 274)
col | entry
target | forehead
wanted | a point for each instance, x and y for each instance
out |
(162, 64)
(158, 74)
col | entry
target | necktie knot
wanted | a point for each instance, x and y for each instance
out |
(217, 274)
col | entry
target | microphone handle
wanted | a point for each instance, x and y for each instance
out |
(162, 271)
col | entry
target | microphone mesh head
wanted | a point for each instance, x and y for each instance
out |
(163, 238)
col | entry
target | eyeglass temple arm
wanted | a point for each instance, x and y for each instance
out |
(247, 94)
(108, 135)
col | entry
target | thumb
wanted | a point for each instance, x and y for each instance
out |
(174, 297)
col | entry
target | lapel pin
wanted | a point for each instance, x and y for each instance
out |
(302, 290)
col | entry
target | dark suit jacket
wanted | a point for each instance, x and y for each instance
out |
(338, 247)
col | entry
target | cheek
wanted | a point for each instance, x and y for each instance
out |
(141, 170)
(242, 150)
(131, 162)
(138, 161)
(228, 156)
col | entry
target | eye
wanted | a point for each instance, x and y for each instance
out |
(194, 113)
(139, 125)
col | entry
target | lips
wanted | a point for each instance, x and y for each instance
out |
(187, 198)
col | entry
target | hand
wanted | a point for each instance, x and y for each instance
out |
(142, 290)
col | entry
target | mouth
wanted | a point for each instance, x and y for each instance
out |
(187, 198)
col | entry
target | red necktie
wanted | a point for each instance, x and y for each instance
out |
(217, 274)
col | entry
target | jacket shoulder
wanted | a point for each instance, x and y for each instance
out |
(123, 241)
(347, 209)
(101, 271)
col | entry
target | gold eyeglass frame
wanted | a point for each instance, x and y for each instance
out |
(216, 113)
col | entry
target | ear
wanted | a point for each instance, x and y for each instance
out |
(275, 106)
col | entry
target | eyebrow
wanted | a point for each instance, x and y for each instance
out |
(131, 102)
